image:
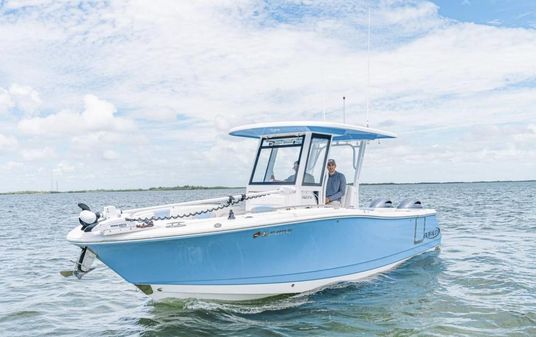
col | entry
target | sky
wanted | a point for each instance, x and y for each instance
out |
(135, 94)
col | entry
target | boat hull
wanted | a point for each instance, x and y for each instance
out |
(250, 292)
(266, 261)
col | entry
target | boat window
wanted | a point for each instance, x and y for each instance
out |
(316, 160)
(277, 161)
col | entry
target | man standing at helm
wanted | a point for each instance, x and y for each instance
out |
(336, 185)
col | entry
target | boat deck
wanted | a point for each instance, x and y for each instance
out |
(165, 229)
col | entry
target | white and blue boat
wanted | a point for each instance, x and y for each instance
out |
(279, 237)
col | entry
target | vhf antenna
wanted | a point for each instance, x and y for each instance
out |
(368, 68)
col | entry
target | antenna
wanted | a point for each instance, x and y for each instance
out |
(368, 68)
(344, 109)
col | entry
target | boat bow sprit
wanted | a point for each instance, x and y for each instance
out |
(279, 237)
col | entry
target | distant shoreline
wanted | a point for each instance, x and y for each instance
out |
(193, 187)
(158, 189)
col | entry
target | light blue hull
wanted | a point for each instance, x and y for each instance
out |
(290, 252)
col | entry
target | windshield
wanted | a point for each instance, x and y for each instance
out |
(277, 161)
(316, 161)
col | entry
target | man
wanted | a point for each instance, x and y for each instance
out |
(336, 185)
(292, 177)
(309, 179)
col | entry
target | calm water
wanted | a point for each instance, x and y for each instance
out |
(482, 283)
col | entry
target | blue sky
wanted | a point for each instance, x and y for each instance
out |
(127, 94)
(510, 13)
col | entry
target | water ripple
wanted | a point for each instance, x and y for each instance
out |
(481, 283)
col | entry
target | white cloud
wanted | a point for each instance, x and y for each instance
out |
(98, 115)
(110, 155)
(169, 80)
(12, 166)
(524, 138)
(417, 16)
(38, 154)
(245, 69)
(15, 4)
(53, 125)
(62, 168)
(474, 154)
(7, 143)
(103, 139)
(24, 99)
(6, 103)
(92, 140)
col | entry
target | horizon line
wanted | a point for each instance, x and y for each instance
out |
(202, 187)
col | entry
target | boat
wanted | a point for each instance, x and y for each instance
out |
(279, 237)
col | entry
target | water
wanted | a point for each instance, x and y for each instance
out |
(482, 283)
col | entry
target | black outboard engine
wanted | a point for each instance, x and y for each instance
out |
(410, 203)
(381, 203)
(87, 218)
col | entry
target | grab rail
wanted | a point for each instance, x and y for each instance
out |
(210, 201)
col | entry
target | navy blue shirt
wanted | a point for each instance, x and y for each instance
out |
(336, 186)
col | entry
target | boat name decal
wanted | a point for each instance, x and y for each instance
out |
(272, 233)
(432, 234)
(175, 224)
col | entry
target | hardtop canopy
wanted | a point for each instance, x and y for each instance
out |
(339, 131)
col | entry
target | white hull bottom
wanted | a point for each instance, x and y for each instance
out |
(246, 292)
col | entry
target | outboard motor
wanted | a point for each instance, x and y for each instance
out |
(87, 218)
(381, 203)
(410, 203)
